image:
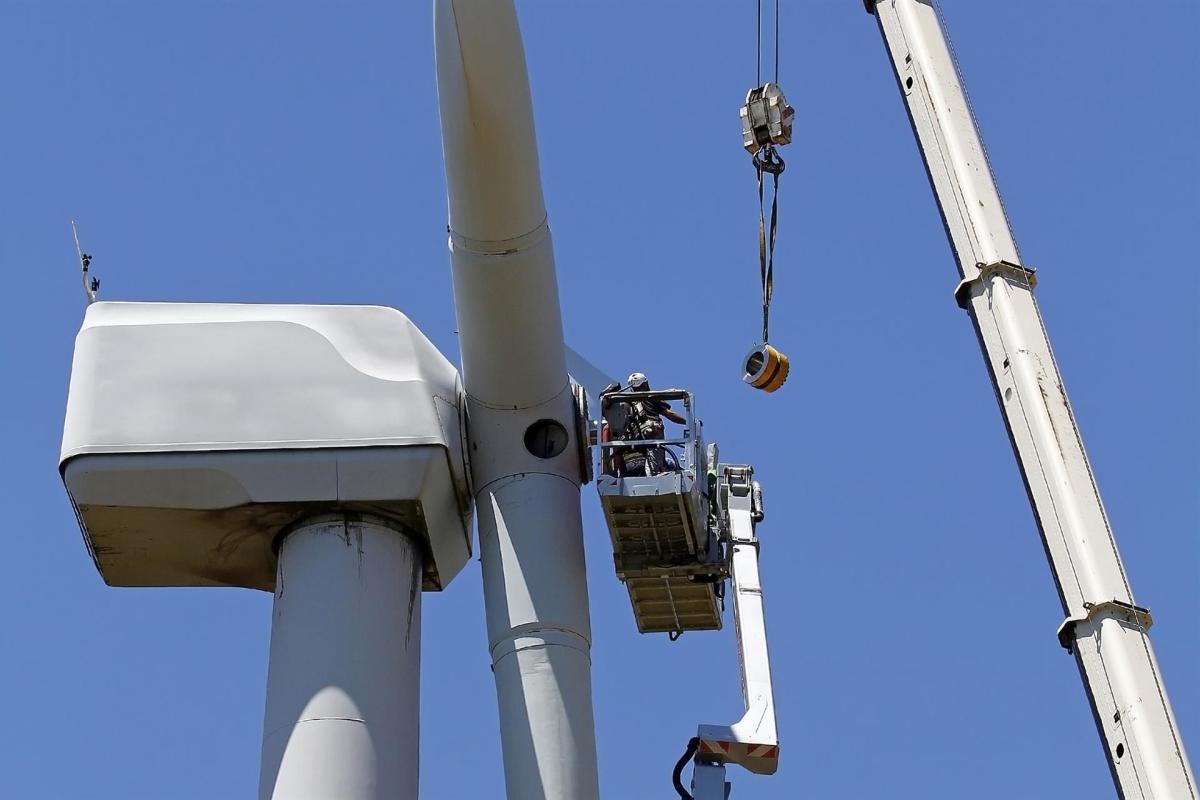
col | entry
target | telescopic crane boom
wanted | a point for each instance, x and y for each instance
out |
(1104, 627)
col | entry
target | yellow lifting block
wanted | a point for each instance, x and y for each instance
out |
(766, 368)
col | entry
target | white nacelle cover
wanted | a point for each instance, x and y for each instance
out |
(196, 433)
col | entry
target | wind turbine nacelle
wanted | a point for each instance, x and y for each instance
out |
(196, 434)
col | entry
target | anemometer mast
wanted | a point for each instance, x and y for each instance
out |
(1104, 627)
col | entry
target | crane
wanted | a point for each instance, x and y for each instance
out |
(1104, 628)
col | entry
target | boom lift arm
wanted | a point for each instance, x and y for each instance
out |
(752, 741)
(1104, 627)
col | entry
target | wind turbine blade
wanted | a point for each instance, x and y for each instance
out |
(588, 375)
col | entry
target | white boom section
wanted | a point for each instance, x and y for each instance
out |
(514, 371)
(343, 689)
(1105, 629)
(757, 725)
(752, 741)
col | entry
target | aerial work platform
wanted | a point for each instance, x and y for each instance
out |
(682, 524)
(664, 550)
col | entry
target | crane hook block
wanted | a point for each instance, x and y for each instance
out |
(766, 368)
(766, 118)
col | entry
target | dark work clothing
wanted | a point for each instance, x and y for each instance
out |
(642, 420)
(646, 419)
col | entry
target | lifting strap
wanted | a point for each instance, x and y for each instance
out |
(767, 160)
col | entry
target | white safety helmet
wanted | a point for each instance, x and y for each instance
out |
(637, 380)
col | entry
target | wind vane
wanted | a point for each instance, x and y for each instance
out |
(91, 285)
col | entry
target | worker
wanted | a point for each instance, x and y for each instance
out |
(641, 420)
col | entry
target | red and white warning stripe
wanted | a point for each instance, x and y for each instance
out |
(749, 754)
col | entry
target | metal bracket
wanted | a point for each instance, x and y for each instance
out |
(739, 483)
(738, 479)
(1135, 615)
(1026, 275)
(708, 780)
(583, 434)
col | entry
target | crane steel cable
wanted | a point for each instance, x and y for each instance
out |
(758, 44)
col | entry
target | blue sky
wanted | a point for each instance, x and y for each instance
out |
(290, 152)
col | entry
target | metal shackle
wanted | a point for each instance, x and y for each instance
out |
(765, 368)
